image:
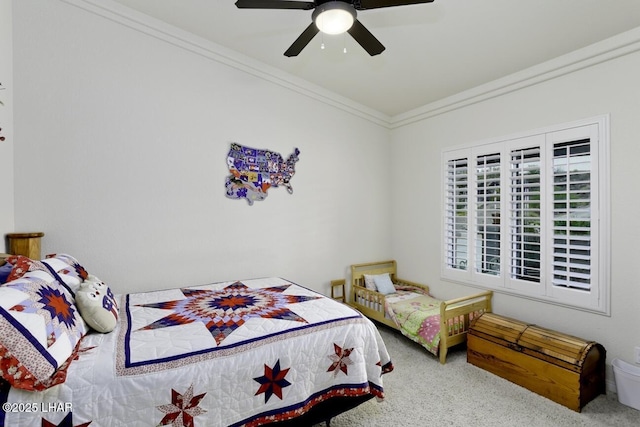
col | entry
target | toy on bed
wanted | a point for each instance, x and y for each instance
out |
(407, 306)
(97, 304)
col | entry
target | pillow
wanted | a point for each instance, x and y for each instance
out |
(368, 282)
(66, 269)
(63, 267)
(384, 284)
(77, 269)
(5, 270)
(97, 305)
(21, 265)
(40, 328)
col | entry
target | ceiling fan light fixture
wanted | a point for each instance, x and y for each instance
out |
(334, 17)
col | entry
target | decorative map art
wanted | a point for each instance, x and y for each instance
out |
(254, 171)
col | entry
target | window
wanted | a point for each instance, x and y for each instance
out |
(528, 215)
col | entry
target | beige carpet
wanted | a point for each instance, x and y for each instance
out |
(422, 392)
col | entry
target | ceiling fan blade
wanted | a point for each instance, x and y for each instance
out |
(274, 4)
(365, 38)
(302, 41)
(375, 4)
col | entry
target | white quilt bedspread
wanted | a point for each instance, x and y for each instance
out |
(224, 354)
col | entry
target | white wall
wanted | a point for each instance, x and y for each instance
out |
(121, 140)
(6, 122)
(610, 87)
(121, 161)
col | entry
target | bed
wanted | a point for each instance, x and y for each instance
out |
(236, 353)
(407, 306)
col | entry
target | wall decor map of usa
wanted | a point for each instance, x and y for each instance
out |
(254, 171)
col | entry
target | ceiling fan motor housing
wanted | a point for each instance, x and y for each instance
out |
(334, 17)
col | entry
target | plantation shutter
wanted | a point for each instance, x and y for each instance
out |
(530, 215)
(572, 225)
(525, 214)
(456, 214)
(487, 214)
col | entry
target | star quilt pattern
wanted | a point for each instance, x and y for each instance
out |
(238, 353)
(223, 311)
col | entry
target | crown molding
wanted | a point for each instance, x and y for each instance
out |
(145, 24)
(608, 49)
(597, 53)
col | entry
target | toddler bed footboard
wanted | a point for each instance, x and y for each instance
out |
(455, 314)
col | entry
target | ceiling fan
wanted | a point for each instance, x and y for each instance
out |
(331, 17)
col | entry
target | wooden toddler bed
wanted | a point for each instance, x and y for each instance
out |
(408, 307)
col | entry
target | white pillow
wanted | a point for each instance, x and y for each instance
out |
(368, 282)
(384, 284)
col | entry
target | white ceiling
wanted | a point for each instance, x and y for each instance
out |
(433, 50)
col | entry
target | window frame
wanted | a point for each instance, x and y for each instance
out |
(597, 298)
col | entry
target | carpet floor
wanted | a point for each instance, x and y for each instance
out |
(421, 392)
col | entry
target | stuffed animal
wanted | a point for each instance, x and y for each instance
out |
(97, 305)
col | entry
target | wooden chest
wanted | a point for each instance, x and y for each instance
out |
(563, 368)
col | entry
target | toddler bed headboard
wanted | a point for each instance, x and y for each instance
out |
(359, 270)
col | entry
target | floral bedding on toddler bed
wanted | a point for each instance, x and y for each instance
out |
(417, 314)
